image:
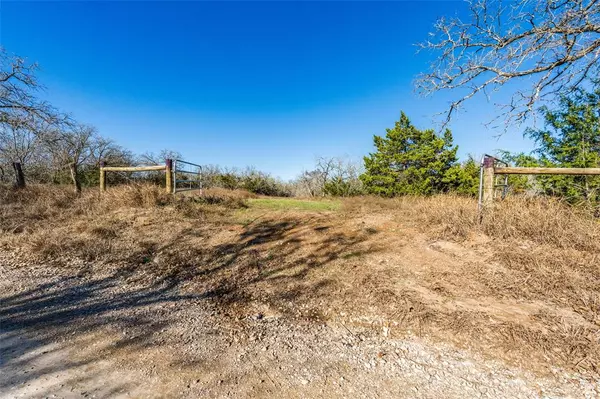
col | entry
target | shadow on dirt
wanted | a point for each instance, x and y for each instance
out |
(269, 262)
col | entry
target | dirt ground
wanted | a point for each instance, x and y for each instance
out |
(265, 303)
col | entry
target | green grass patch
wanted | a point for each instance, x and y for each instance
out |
(294, 204)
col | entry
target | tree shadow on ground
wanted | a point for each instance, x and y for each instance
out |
(270, 260)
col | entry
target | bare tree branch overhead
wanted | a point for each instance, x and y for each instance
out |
(548, 46)
(19, 105)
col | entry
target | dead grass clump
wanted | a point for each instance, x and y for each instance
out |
(53, 248)
(131, 196)
(540, 220)
(52, 195)
(33, 204)
(544, 221)
(445, 216)
(56, 224)
(47, 200)
(42, 204)
(225, 193)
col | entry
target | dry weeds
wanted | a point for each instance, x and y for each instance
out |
(524, 284)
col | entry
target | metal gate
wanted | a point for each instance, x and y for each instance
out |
(186, 176)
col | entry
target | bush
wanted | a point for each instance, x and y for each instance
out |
(250, 180)
(263, 184)
(338, 187)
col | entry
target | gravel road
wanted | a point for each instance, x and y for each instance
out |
(76, 334)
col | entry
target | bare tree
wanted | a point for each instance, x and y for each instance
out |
(309, 184)
(344, 178)
(17, 144)
(19, 105)
(33, 131)
(151, 158)
(549, 46)
(22, 114)
(313, 181)
(105, 150)
(333, 176)
(73, 147)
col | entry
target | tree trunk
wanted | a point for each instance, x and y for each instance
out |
(19, 175)
(75, 177)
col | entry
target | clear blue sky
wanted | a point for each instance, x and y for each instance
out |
(268, 84)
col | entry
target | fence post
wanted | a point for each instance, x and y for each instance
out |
(102, 176)
(488, 181)
(20, 176)
(169, 175)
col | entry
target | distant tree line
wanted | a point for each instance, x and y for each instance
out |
(51, 147)
(331, 176)
(410, 161)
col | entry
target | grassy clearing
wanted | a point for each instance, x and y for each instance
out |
(282, 204)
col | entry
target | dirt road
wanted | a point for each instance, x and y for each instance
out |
(72, 336)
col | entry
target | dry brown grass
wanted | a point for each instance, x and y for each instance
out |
(125, 222)
(22, 209)
(544, 221)
(53, 223)
(533, 253)
(523, 283)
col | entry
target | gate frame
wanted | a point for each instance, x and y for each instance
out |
(167, 168)
(487, 187)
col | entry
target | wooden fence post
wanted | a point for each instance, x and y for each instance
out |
(20, 176)
(169, 175)
(488, 181)
(102, 176)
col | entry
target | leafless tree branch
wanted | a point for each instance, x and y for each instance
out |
(549, 46)
(19, 105)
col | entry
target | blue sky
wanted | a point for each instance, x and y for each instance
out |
(269, 84)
